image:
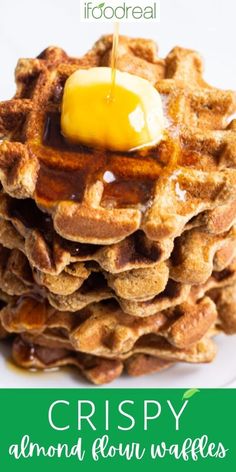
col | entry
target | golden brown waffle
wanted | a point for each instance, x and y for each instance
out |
(158, 191)
(82, 283)
(47, 339)
(226, 304)
(105, 341)
(99, 370)
(77, 286)
(25, 227)
(104, 330)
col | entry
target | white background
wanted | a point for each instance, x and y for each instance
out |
(28, 26)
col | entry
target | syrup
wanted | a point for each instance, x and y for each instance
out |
(114, 55)
(25, 352)
(29, 214)
(66, 169)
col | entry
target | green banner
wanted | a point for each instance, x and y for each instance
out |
(111, 430)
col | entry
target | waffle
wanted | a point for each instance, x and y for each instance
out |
(47, 338)
(51, 254)
(78, 286)
(117, 261)
(104, 329)
(157, 191)
(105, 340)
(139, 291)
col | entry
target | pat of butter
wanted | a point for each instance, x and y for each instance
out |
(131, 118)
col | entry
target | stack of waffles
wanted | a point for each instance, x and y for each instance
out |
(117, 261)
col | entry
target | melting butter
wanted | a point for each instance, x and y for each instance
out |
(132, 118)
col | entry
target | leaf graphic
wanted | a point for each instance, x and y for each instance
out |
(189, 393)
(101, 5)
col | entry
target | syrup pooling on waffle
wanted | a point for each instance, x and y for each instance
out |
(127, 180)
(101, 197)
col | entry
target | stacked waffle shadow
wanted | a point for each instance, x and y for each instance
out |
(113, 261)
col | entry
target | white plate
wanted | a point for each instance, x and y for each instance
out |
(191, 24)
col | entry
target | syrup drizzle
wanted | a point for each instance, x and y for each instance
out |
(114, 55)
(65, 170)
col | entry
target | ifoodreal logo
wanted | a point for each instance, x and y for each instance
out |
(120, 10)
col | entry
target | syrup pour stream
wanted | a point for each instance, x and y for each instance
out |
(114, 54)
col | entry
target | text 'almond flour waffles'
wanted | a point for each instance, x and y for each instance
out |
(122, 256)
